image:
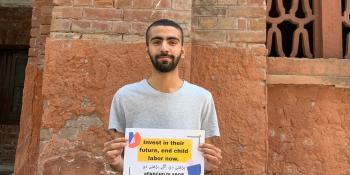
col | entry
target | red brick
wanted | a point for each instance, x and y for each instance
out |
(45, 20)
(62, 2)
(178, 16)
(227, 2)
(142, 15)
(123, 3)
(209, 11)
(101, 26)
(103, 13)
(139, 28)
(241, 2)
(204, 2)
(67, 12)
(32, 42)
(34, 32)
(252, 12)
(182, 4)
(82, 2)
(60, 25)
(133, 38)
(143, 4)
(121, 27)
(103, 3)
(46, 10)
(257, 24)
(248, 37)
(256, 2)
(32, 52)
(44, 29)
(207, 22)
(82, 26)
(163, 4)
(209, 35)
(35, 22)
(242, 24)
(40, 41)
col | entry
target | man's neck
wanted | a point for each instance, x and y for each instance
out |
(165, 82)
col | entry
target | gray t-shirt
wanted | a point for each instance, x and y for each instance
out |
(139, 105)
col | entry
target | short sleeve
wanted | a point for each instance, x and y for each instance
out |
(209, 118)
(117, 115)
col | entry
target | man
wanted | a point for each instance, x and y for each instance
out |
(164, 100)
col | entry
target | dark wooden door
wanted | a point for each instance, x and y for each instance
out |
(13, 62)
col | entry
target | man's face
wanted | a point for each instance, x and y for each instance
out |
(164, 47)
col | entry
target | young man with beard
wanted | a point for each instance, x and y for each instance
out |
(164, 100)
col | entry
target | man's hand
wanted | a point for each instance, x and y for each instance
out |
(112, 152)
(212, 156)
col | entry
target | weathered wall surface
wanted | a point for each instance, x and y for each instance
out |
(80, 79)
(236, 78)
(229, 59)
(309, 130)
(28, 140)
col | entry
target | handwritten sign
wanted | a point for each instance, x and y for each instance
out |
(163, 152)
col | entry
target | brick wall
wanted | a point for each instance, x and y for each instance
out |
(119, 20)
(234, 23)
(15, 25)
(41, 21)
(8, 141)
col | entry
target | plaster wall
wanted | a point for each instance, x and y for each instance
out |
(309, 130)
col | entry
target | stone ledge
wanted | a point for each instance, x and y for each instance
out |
(339, 82)
(320, 71)
(305, 66)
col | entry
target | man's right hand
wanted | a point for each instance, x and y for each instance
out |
(112, 152)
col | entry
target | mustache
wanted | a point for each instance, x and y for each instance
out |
(165, 55)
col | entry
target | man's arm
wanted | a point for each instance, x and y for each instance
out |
(113, 151)
(212, 155)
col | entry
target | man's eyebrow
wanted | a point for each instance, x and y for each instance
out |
(167, 38)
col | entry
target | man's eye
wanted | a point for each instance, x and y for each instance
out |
(173, 42)
(156, 42)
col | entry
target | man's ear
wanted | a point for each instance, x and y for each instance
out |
(183, 52)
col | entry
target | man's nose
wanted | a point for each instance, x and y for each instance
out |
(164, 47)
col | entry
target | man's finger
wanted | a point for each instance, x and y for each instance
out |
(117, 140)
(211, 152)
(210, 146)
(114, 146)
(212, 159)
(113, 153)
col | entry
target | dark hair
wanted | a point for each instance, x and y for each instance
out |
(165, 22)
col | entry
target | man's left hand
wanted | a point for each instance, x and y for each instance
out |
(212, 156)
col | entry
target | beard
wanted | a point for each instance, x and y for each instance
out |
(165, 66)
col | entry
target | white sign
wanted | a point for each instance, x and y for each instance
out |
(163, 152)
